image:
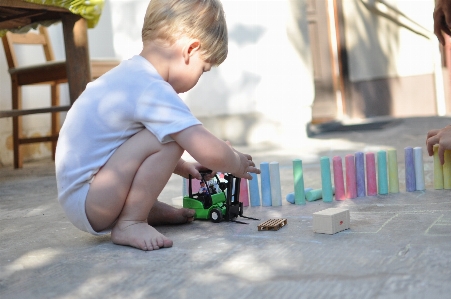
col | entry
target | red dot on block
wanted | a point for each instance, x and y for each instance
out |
(341, 222)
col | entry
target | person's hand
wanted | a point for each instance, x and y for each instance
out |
(247, 166)
(185, 169)
(442, 137)
(442, 19)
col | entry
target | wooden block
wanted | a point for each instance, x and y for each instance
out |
(298, 176)
(410, 169)
(337, 165)
(360, 173)
(331, 221)
(254, 192)
(274, 182)
(351, 185)
(371, 184)
(419, 168)
(272, 224)
(244, 193)
(326, 181)
(382, 177)
(447, 170)
(438, 170)
(265, 184)
(393, 178)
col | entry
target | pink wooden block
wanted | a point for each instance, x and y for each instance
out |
(371, 184)
(351, 185)
(244, 193)
(338, 178)
(195, 186)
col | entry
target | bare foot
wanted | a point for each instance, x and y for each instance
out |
(162, 213)
(139, 235)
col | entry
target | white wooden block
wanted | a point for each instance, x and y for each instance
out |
(276, 190)
(331, 221)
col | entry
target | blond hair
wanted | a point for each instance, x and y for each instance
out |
(201, 19)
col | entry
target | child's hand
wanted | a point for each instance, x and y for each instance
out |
(185, 169)
(442, 19)
(442, 137)
(246, 166)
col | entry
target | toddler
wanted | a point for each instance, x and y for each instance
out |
(125, 135)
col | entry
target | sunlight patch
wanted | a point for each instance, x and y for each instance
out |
(247, 267)
(31, 260)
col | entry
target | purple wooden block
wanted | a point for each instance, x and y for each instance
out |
(410, 170)
(360, 174)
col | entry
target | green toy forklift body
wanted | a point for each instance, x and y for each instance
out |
(216, 206)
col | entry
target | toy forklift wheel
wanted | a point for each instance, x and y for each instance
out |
(216, 215)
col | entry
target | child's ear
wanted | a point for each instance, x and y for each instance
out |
(192, 46)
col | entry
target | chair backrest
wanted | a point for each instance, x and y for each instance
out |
(41, 37)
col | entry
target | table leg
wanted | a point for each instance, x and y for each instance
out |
(77, 54)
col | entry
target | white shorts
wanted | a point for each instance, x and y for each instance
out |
(74, 207)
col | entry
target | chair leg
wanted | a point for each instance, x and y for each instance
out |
(55, 93)
(17, 123)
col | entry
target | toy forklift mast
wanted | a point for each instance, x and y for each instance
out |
(234, 207)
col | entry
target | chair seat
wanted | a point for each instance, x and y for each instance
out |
(55, 71)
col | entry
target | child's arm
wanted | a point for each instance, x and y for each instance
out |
(442, 137)
(214, 153)
(442, 19)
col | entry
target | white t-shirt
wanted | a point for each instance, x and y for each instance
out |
(122, 102)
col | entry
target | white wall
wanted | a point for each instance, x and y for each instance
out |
(267, 73)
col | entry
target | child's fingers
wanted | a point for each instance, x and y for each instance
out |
(247, 176)
(432, 133)
(196, 174)
(254, 170)
(430, 142)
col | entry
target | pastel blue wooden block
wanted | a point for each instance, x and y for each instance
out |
(265, 184)
(276, 189)
(254, 191)
(419, 168)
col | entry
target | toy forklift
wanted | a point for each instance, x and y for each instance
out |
(217, 206)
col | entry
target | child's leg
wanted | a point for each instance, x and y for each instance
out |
(126, 188)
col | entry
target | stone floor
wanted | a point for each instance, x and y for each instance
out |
(398, 246)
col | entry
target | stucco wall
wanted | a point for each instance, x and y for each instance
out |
(392, 70)
(378, 48)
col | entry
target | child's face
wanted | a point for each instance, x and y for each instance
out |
(186, 75)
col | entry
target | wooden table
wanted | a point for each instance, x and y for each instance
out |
(17, 13)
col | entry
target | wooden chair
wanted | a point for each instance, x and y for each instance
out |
(50, 72)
